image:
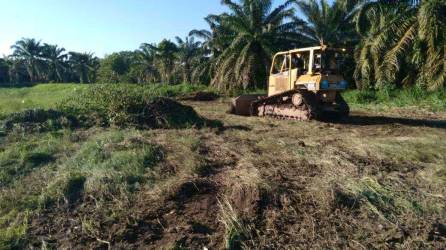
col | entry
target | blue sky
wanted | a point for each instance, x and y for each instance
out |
(101, 26)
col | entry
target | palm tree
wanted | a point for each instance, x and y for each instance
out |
(145, 64)
(165, 59)
(253, 31)
(406, 33)
(4, 69)
(188, 51)
(84, 65)
(213, 41)
(30, 51)
(17, 71)
(56, 60)
(330, 24)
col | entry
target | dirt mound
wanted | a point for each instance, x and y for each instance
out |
(121, 107)
(167, 113)
(200, 96)
(38, 120)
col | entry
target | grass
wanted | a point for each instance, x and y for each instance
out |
(42, 96)
(108, 167)
(48, 96)
(279, 183)
(396, 98)
(236, 231)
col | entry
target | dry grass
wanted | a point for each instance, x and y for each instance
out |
(374, 181)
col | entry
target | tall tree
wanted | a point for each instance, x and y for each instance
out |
(84, 66)
(30, 51)
(402, 42)
(213, 44)
(17, 70)
(144, 66)
(165, 53)
(4, 71)
(188, 51)
(254, 31)
(115, 68)
(330, 24)
(56, 61)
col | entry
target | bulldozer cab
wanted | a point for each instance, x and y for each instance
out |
(313, 68)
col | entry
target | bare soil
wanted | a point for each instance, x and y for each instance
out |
(372, 181)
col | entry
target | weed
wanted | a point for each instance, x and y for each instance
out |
(236, 231)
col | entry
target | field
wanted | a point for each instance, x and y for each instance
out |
(374, 180)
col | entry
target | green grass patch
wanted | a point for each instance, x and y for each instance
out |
(47, 96)
(108, 165)
(40, 171)
(399, 98)
(23, 156)
(121, 105)
(41, 96)
(13, 226)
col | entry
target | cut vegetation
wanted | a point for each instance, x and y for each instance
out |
(149, 171)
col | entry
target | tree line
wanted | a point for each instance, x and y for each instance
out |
(393, 43)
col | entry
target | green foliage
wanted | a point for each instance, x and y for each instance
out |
(13, 226)
(237, 233)
(165, 60)
(393, 97)
(121, 105)
(329, 24)
(249, 34)
(398, 43)
(30, 51)
(56, 62)
(33, 62)
(41, 96)
(84, 66)
(108, 167)
(47, 96)
(116, 67)
(402, 43)
(24, 156)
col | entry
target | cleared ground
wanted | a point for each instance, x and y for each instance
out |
(375, 180)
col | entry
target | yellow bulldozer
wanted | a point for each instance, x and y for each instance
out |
(304, 84)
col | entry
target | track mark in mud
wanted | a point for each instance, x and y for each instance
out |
(189, 216)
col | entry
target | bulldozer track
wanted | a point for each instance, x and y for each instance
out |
(281, 107)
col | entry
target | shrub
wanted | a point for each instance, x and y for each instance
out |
(360, 96)
(121, 106)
